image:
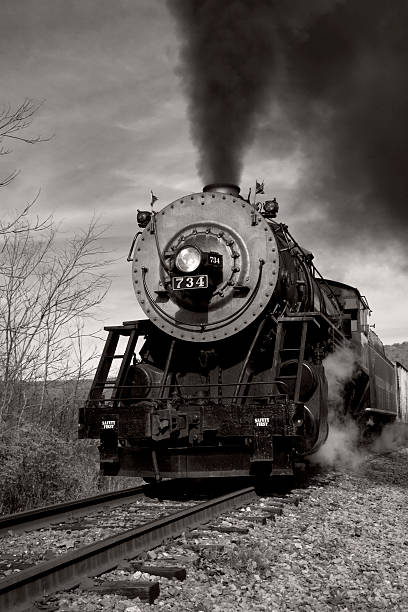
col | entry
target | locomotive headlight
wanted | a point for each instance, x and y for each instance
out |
(188, 259)
(270, 208)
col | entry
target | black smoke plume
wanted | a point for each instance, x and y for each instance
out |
(346, 93)
(337, 72)
(227, 69)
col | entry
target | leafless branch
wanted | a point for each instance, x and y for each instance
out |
(13, 122)
(23, 222)
(10, 177)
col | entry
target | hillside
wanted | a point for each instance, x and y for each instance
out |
(398, 352)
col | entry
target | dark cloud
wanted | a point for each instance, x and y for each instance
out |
(346, 92)
(336, 72)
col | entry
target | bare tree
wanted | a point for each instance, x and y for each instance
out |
(46, 290)
(13, 125)
(49, 286)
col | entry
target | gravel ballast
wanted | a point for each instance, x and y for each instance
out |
(344, 547)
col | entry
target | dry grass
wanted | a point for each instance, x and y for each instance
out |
(39, 467)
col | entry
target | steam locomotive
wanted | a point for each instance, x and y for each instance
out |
(226, 375)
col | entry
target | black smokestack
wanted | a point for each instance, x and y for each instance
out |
(222, 188)
(227, 68)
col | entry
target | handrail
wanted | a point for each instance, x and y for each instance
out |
(135, 237)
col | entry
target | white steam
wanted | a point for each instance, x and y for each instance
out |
(341, 446)
(339, 367)
(393, 436)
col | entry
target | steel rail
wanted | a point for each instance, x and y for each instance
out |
(18, 591)
(32, 519)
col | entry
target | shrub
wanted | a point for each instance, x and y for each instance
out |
(39, 467)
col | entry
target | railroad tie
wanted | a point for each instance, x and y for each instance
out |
(165, 571)
(144, 590)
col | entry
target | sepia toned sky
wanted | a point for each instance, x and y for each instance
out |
(107, 71)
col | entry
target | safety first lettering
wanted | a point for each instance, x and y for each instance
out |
(108, 424)
(261, 421)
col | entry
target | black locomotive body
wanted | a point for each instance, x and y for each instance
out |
(229, 380)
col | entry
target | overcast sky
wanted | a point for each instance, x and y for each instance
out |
(106, 70)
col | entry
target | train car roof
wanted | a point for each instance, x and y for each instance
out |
(333, 283)
(401, 365)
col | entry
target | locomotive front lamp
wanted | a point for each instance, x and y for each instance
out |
(143, 217)
(188, 259)
(271, 208)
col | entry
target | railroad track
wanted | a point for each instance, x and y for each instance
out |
(57, 513)
(108, 514)
(70, 569)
